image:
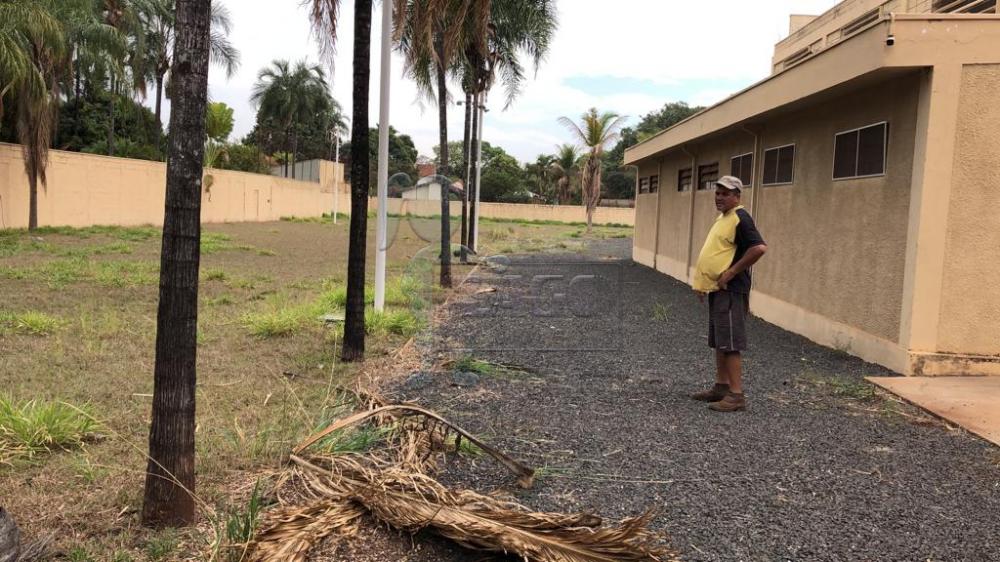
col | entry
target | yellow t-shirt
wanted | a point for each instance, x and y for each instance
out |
(717, 254)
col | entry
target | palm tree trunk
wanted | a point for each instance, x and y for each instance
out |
(295, 149)
(32, 200)
(474, 150)
(111, 120)
(467, 164)
(159, 98)
(445, 169)
(170, 475)
(354, 314)
(285, 148)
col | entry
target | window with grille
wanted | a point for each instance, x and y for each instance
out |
(643, 185)
(860, 152)
(684, 178)
(779, 165)
(742, 167)
(654, 184)
(707, 176)
(965, 6)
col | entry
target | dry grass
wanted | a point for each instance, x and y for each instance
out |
(93, 293)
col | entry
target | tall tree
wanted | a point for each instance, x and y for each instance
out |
(596, 131)
(565, 165)
(494, 38)
(324, 22)
(291, 97)
(160, 21)
(170, 476)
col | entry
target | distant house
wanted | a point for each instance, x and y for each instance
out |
(871, 157)
(427, 189)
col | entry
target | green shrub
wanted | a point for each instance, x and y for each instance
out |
(30, 428)
(29, 323)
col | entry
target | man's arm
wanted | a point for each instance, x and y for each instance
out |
(751, 256)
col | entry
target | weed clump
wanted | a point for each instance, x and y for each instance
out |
(31, 428)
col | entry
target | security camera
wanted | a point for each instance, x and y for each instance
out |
(890, 40)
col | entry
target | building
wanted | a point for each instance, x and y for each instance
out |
(872, 153)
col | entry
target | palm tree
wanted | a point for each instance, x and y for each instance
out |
(596, 131)
(170, 476)
(291, 96)
(22, 25)
(565, 166)
(512, 28)
(34, 59)
(428, 33)
(160, 21)
(324, 23)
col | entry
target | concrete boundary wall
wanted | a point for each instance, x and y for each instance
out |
(85, 190)
(514, 211)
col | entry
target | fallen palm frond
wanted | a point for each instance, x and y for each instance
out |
(393, 484)
(525, 475)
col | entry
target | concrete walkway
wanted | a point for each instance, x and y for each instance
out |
(971, 402)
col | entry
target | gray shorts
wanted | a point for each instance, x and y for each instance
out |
(727, 314)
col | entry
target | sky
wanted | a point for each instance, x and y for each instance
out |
(628, 56)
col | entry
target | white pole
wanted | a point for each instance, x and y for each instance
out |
(479, 175)
(383, 157)
(336, 196)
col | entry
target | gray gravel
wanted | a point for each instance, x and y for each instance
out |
(819, 468)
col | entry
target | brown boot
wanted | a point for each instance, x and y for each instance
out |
(731, 403)
(716, 393)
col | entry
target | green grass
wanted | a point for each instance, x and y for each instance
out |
(64, 271)
(29, 323)
(281, 321)
(392, 321)
(212, 242)
(400, 291)
(470, 364)
(162, 545)
(220, 300)
(241, 524)
(212, 274)
(32, 428)
(326, 218)
(661, 312)
(840, 386)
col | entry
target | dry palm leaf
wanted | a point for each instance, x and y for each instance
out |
(393, 485)
(525, 475)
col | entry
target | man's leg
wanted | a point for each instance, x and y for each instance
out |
(721, 368)
(733, 362)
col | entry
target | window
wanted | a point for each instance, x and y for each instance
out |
(643, 185)
(684, 180)
(779, 163)
(707, 176)
(654, 184)
(860, 153)
(742, 167)
(965, 6)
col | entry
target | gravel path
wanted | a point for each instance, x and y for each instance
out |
(819, 468)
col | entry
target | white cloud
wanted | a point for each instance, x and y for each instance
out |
(667, 42)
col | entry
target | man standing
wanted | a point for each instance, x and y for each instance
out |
(723, 273)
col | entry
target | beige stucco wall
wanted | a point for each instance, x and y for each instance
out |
(675, 215)
(85, 190)
(837, 248)
(513, 211)
(645, 220)
(969, 320)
